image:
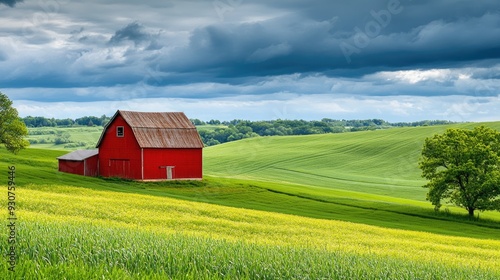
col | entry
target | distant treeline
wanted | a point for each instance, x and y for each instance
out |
(227, 131)
(51, 122)
(240, 129)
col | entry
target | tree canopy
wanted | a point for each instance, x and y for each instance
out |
(12, 129)
(463, 167)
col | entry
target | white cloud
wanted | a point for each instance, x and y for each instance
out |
(416, 76)
(311, 107)
(471, 81)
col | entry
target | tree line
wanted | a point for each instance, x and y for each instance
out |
(240, 129)
(215, 132)
(52, 122)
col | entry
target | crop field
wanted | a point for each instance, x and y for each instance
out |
(334, 206)
(77, 230)
(382, 162)
(70, 138)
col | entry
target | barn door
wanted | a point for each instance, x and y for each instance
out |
(119, 168)
(169, 172)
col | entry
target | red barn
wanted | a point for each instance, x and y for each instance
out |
(150, 146)
(84, 162)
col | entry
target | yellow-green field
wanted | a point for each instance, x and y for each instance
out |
(335, 206)
(82, 211)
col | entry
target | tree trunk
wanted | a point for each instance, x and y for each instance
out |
(471, 212)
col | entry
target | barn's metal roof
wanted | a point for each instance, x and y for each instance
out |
(160, 129)
(157, 120)
(79, 155)
(167, 138)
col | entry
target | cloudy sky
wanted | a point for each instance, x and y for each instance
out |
(399, 60)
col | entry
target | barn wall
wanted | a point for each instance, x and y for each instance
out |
(187, 162)
(119, 156)
(92, 166)
(71, 166)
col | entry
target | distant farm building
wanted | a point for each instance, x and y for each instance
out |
(84, 162)
(144, 146)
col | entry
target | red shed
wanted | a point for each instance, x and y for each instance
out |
(83, 162)
(150, 146)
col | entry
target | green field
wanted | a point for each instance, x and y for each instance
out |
(382, 162)
(333, 206)
(80, 137)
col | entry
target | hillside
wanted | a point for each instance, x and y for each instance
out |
(64, 138)
(344, 206)
(382, 162)
(366, 177)
(358, 169)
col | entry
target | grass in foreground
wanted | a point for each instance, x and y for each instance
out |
(85, 251)
(80, 233)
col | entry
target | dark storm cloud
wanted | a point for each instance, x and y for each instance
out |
(137, 33)
(100, 43)
(133, 32)
(287, 45)
(10, 3)
(358, 12)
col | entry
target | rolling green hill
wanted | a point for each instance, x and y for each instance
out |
(322, 206)
(64, 138)
(382, 162)
(366, 177)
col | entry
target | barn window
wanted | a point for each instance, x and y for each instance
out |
(119, 131)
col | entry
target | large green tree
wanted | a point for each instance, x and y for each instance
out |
(463, 167)
(12, 129)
